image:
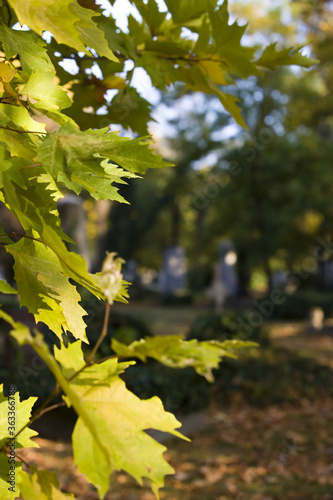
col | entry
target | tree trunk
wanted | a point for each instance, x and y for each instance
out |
(243, 274)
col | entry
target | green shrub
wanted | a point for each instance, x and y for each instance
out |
(298, 304)
(170, 299)
(224, 326)
(275, 376)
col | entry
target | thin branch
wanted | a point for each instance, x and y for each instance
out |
(22, 460)
(190, 59)
(79, 371)
(50, 408)
(103, 332)
(16, 235)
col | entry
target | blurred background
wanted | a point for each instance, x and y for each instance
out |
(235, 241)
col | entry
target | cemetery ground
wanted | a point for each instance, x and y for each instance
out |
(243, 451)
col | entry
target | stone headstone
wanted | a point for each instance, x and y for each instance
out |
(217, 290)
(316, 319)
(130, 271)
(327, 271)
(172, 278)
(279, 279)
(228, 275)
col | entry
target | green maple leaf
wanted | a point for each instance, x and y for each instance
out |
(99, 185)
(45, 290)
(227, 42)
(22, 417)
(229, 102)
(20, 145)
(119, 418)
(12, 167)
(150, 13)
(33, 202)
(42, 484)
(28, 46)
(5, 493)
(18, 118)
(36, 209)
(6, 288)
(184, 10)
(14, 122)
(68, 22)
(20, 332)
(175, 352)
(272, 58)
(129, 109)
(71, 156)
(73, 265)
(48, 97)
(122, 418)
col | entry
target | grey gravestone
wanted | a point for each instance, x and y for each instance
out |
(316, 319)
(172, 278)
(130, 271)
(279, 279)
(228, 275)
(217, 290)
(328, 274)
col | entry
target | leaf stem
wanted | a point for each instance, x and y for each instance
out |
(103, 333)
(16, 235)
(23, 461)
(50, 408)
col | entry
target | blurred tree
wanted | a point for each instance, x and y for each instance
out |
(284, 189)
(268, 189)
(163, 215)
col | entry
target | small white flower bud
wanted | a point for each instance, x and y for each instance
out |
(111, 277)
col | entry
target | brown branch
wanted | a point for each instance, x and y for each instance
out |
(50, 408)
(16, 235)
(22, 460)
(189, 59)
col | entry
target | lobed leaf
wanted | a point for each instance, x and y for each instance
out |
(28, 46)
(42, 484)
(46, 96)
(22, 418)
(175, 352)
(68, 22)
(76, 158)
(118, 419)
(6, 288)
(5, 493)
(45, 290)
(272, 58)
